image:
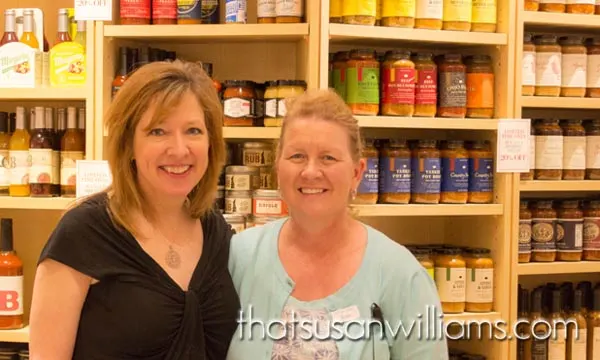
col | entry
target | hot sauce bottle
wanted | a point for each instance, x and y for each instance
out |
(40, 150)
(72, 149)
(121, 75)
(11, 280)
(28, 36)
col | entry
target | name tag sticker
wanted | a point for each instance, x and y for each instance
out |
(346, 314)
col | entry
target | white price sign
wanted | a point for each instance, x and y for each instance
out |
(93, 10)
(93, 176)
(512, 153)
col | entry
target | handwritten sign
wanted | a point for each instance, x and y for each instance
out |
(98, 10)
(512, 153)
(92, 176)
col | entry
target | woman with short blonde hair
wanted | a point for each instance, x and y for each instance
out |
(139, 271)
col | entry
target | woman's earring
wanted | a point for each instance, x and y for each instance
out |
(353, 194)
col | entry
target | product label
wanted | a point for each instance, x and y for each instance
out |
(370, 181)
(453, 89)
(426, 88)
(240, 205)
(289, 8)
(557, 345)
(394, 175)
(451, 284)
(210, 14)
(480, 91)
(271, 108)
(398, 86)
(543, 234)
(235, 11)
(136, 8)
(339, 82)
(241, 182)
(484, 11)
(548, 152)
(68, 168)
(524, 236)
(569, 234)
(20, 66)
(268, 207)
(11, 295)
(362, 85)
(237, 108)
(593, 71)
(164, 9)
(362, 7)
(426, 175)
(40, 171)
(481, 174)
(67, 65)
(578, 344)
(528, 70)
(480, 285)
(595, 344)
(591, 233)
(532, 152)
(455, 175)
(400, 8)
(266, 180)
(19, 164)
(592, 152)
(4, 168)
(539, 348)
(430, 9)
(548, 68)
(281, 108)
(257, 157)
(335, 8)
(574, 70)
(574, 148)
(458, 10)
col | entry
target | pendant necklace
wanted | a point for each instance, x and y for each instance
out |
(172, 258)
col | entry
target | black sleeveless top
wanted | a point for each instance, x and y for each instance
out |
(136, 310)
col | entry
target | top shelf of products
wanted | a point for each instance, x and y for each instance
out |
(554, 22)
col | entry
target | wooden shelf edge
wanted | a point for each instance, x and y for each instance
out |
(563, 20)
(381, 210)
(45, 93)
(560, 102)
(558, 267)
(207, 31)
(561, 185)
(30, 203)
(15, 336)
(426, 123)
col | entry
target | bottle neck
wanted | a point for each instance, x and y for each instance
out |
(28, 23)
(63, 23)
(10, 23)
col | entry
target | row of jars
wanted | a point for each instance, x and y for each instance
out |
(248, 103)
(559, 230)
(564, 150)
(464, 15)
(401, 83)
(249, 166)
(427, 172)
(558, 6)
(568, 66)
(243, 209)
(464, 276)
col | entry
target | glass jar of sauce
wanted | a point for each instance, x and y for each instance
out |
(548, 66)
(481, 173)
(580, 7)
(426, 173)
(593, 66)
(396, 14)
(556, 6)
(450, 279)
(368, 189)
(480, 87)
(394, 172)
(238, 103)
(528, 66)
(574, 148)
(359, 12)
(452, 87)
(480, 280)
(524, 232)
(543, 232)
(426, 85)
(574, 66)
(455, 173)
(340, 61)
(398, 84)
(135, 12)
(286, 91)
(532, 5)
(548, 150)
(362, 76)
(591, 231)
(271, 101)
(569, 231)
(592, 150)
(424, 258)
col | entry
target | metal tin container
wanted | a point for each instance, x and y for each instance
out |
(237, 222)
(242, 178)
(268, 203)
(258, 154)
(238, 202)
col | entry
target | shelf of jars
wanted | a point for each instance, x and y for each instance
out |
(562, 21)
(566, 185)
(385, 210)
(549, 102)
(558, 267)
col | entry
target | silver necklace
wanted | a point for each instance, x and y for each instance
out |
(173, 259)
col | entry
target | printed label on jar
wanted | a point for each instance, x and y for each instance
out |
(362, 85)
(574, 70)
(591, 233)
(241, 182)
(426, 88)
(370, 180)
(258, 157)
(593, 71)
(528, 71)
(481, 174)
(543, 234)
(237, 108)
(241, 206)
(524, 236)
(548, 68)
(480, 285)
(426, 175)
(574, 153)
(266, 8)
(548, 152)
(398, 86)
(404, 8)
(480, 91)
(281, 108)
(458, 10)
(592, 152)
(266, 181)
(484, 12)
(339, 82)
(268, 207)
(164, 9)
(271, 108)
(455, 175)
(569, 234)
(394, 175)
(135, 9)
(19, 163)
(56, 167)
(40, 171)
(451, 284)
(289, 8)
(4, 172)
(235, 11)
(453, 89)
(358, 8)
(430, 9)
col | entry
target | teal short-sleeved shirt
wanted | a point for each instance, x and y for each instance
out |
(335, 327)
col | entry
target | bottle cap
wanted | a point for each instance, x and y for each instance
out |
(6, 242)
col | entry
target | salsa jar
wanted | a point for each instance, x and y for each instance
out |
(529, 175)
(593, 67)
(450, 279)
(368, 189)
(135, 12)
(394, 172)
(548, 150)
(528, 66)
(556, 6)
(574, 148)
(362, 87)
(573, 66)
(569, 231)
(592, 150)
(238, 103)
(480, 87)
(543, 231)
(480, 280)
(359, 12)
(426, 173)
(398, 13)
(591, 231)
(455, 172)
(340, 63)
(481, 173)
(524, 232)
(398, 80)
(426, 87)
(452, 87)
(548, 66)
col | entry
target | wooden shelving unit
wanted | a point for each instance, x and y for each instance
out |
(559, 267)
(546, 102)
(429, 210)
(46, 93)
(32, 203)
(546, 186)
(562, 21)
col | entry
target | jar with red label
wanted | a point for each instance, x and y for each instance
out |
(426, 85)
(134, 12)
(398, 84)
(164, 12)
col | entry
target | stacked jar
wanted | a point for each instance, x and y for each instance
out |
(277, 94)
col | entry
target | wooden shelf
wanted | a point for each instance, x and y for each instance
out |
(209, 32)
(232, 132)
(43, 93)
(339, 33)
(30, 203)
(552, 21)
(560, 102)
(426, 123)
(563, 185)
(15, 336)
(558, 267)
(428, 210)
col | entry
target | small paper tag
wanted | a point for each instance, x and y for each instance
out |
(93, 176)
(98, 10)
(346, 314)
(512, 152)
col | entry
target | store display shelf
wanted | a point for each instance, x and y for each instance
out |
(560, 102)
(43, 93)
(233, 132)
(428, 210)
(209, 32)
(466, 317)
(563, 185)
(426, 123)
(31, 203)
(15, 336)
(552, 21)
(339, 33)
(558, 267)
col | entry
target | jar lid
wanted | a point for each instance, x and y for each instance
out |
(427, 142)
(241, 169)
(238, 193)
(363, 53)
(527, 37)
(571, 40)
(543, 203)
(594, 40)
(238, 83)
(397, 143)
(479, 58)
(449, 251)
(453, 57)
(545, 39)
(257, 145)
(477, 251)
(423, 55)
(397, 54)
(271, 83)
(266, 193)
(453, 144)
(341, 55)
(570, 203)
(301, 83)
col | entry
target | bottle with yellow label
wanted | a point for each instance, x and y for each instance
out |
(484, 16)
(359, 12)
(398, 13)
(457, 15)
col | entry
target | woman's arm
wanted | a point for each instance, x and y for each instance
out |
(59, 292)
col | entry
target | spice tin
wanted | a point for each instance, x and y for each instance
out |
(235, 11)
(238, 202)
(237, 222)
(242, 178)
(267, 178)
(268, 203)
(258, 154)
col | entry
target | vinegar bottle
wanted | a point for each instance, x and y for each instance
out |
(72, 149)
(63, 27)
(80, 36)
(4, 143)
(40, 149)
(51, 130)
(28, 36)
(18, 153)
(10, 35)
(11, 280)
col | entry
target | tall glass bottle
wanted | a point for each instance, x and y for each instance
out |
(63, 27)
(40, 149)
(28, 37)
(11, 280)
(61, 125)
(81, 124)
(80, 36)
(121, 75)
(10, 23)
(72, 149)
(19, 160)
(4, 144)
(51, 129)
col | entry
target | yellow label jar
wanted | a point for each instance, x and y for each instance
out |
(359, 12)
(480, 280)
(398, 13)
(287, 89)
(450, 279)
(271, 101)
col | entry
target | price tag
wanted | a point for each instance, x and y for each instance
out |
(512, 153)
(98, 10)
(93, 176)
